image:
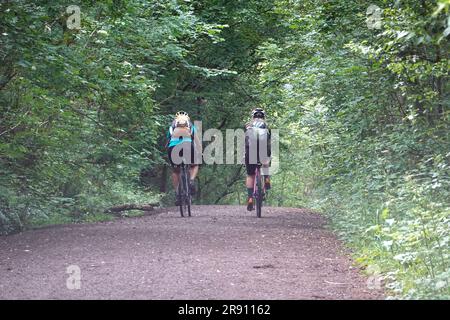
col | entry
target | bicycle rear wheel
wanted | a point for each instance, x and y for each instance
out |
(181, 196)
(188, 205)
(259, 194)
(186, 199)
(182, 190)
(258, 208)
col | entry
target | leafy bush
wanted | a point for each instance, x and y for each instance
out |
(366, 133)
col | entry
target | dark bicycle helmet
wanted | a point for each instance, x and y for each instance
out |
(258, 113)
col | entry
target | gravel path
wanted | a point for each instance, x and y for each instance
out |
(222, 252)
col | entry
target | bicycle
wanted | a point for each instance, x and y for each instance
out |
(184, 190)
(259, 190)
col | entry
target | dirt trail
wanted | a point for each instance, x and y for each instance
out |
(222, 252)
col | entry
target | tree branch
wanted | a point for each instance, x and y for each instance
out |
(132, 206)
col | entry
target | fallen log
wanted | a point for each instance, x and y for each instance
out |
(132, 206)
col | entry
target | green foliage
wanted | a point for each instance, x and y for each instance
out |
(365, 115)
(79, 109)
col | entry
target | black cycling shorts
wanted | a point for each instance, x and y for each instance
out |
(175, 156)
(251, 167)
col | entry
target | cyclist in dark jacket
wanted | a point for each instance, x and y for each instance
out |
(257, 150)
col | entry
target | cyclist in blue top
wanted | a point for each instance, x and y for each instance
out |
(182, 143)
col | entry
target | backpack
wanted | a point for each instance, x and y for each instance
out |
(257, 141)
(181, 127)
(257, 131)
